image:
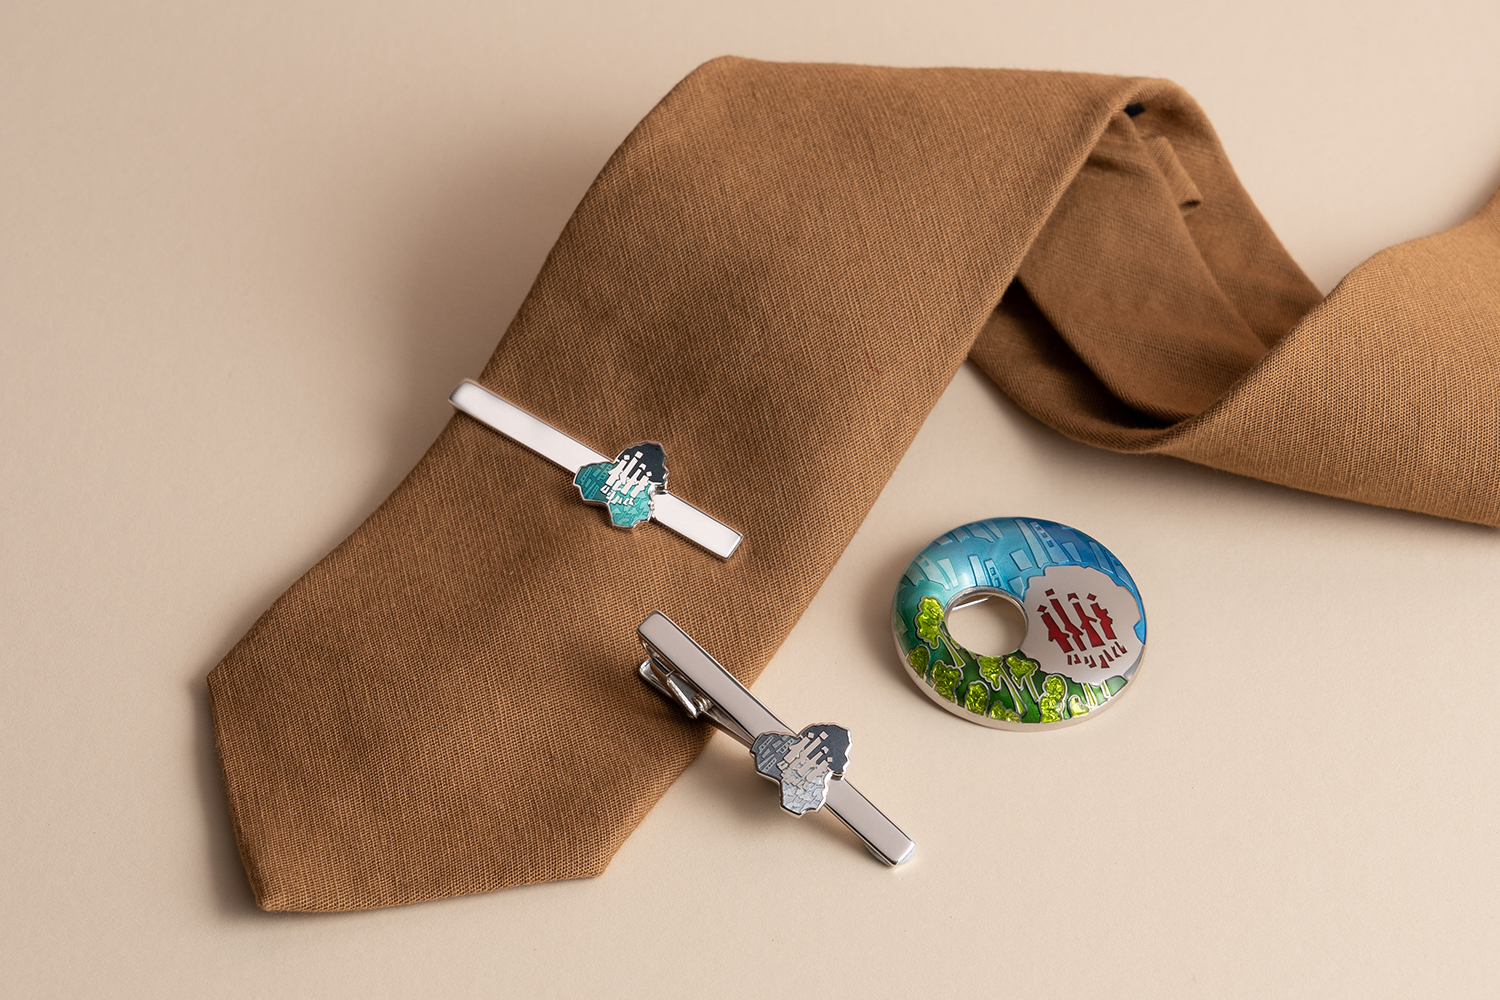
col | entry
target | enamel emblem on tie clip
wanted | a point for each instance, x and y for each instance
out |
(633, 485)
(808, 765)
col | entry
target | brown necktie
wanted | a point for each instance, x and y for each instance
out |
(776, 276)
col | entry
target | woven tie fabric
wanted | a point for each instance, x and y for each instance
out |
(776, 276)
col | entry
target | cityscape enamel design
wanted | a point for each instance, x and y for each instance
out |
(628, 486)
(1085, 623)
(633, 486)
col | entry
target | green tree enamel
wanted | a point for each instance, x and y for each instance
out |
(945, 679)
(918, 660)
(1053, 691)
(978, 698)
(929, 620)
(999, 711)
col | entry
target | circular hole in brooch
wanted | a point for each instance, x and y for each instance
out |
(986, 622)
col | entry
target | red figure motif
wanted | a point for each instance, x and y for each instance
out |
(1086, 622)
(1105, 621)
(1054, 633)
(1069, 636)
(1073, 630)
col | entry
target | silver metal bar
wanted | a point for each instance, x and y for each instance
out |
(523, 428)
(552, 444)
(883, 838)
(683, 671)
(694, 525)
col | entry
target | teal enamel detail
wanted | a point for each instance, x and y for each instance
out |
(624, 513)
(1085, 634)
(627, 485)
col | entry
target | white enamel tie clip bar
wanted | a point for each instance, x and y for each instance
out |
(809, 765)
(555, 446)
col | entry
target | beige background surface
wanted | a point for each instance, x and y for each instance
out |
(246, 250)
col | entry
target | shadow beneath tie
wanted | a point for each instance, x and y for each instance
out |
(230, 889)
(877, 639)
(473, 250)
(474, 257)
(472, 254)
(1480, 197)
(1070, 467)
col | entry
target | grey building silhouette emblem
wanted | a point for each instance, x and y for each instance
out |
(803, 764)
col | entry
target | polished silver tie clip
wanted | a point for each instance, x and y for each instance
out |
(632, 485)
(808, 765)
